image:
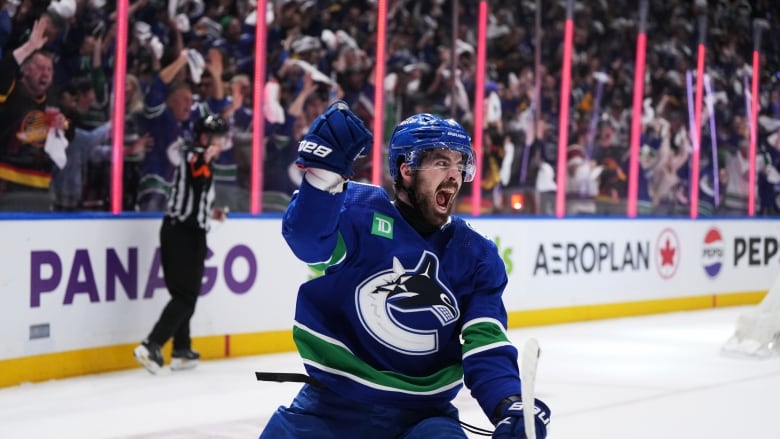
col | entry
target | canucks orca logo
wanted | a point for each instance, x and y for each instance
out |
(403, 309)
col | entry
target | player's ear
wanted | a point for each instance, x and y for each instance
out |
(406, 171)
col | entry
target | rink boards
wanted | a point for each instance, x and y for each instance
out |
(79, 292)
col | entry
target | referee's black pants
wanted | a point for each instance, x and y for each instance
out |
(183, 255)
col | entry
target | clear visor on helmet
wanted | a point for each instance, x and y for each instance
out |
(440, 157)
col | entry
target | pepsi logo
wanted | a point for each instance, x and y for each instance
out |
(712, 252)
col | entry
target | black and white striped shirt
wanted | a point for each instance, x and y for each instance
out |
(192, 193)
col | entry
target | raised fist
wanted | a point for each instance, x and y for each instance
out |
(335, 139)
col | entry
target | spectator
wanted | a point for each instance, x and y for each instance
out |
(23, 18)
(310, 102)
(91, 60)
(676, 151)
(136, 139)
(134, 95)
(613, 179)
(93, 103)
(737, 181)
(492, 159)
(447, 89)
(25, 120)
(136, 144)
(68, 184)
(239, 47)
(239, 115)
(281, 148)
(353, 74)
(168, 106)
(768, 170)
(544, 182)
(708, 205)
(581, 183)
(60, 42)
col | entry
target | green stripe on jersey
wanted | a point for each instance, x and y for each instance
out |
(338, 255)
(337, 359)
(482, 335)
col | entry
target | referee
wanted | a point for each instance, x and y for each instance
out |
(183, 245)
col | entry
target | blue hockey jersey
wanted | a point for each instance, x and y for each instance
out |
(398, 318)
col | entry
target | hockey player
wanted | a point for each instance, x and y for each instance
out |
(183, 245)
(409, 306)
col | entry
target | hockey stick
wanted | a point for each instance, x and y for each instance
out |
(287, 377)
(530, 360)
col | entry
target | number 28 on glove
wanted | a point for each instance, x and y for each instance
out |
(336, 138)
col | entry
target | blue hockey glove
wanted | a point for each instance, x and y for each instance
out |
(509, 420)
(336, 138)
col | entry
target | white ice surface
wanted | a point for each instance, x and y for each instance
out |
(652, 377)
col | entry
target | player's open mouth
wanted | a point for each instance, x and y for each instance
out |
(444, 198)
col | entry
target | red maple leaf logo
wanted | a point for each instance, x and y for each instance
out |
(667, 254)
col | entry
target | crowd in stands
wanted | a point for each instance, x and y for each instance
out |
(186, 58)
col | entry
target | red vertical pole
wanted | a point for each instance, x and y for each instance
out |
(379, 93)
(258, 119)
(636, 120)
(753, 128)
(118, 116)
(694, 179)
(479, 105)
(563, 121)
(758, 26)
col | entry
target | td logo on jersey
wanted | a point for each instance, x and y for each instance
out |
(403, 309)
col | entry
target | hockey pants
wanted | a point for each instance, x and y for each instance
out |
(317, 413)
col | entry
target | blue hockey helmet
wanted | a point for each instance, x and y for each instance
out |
(423, 132)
